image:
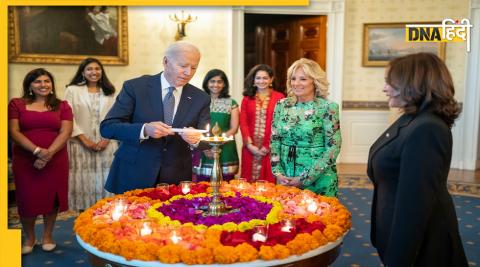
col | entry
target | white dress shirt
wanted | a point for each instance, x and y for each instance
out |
(177, 93)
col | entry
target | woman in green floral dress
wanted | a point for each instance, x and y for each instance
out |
(224, 111)
(306, 139)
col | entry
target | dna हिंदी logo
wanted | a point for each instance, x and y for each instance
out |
(449, 31)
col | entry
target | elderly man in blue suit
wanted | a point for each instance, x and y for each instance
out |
(142, 119)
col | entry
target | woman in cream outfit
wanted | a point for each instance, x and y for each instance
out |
(91, 96)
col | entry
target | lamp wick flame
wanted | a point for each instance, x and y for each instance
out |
(216, 131)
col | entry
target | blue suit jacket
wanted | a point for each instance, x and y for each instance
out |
(137, 163)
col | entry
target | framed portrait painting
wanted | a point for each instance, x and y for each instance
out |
(384, 41)
(67, 35)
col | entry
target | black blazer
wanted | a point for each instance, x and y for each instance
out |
(138, 163)
(413, 216)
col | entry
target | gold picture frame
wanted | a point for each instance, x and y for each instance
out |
(67, 35)
(384, 41)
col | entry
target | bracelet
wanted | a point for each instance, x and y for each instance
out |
(36, 150)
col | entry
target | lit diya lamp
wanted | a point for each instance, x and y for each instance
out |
(146, 230)
(175, 238)
(260, 233)
(261, 186)
(287, 226)
(185, 186)
(217, 137)
(118, 209)
(163, 187)
(310, 204)
(240, 183)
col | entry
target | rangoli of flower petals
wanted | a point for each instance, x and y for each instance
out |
(187, 210)
(163, 224)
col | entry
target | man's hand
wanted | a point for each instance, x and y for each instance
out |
(157, 129)
(191, 137)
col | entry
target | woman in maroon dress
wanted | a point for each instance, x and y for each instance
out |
(256, 116)
(40, 125)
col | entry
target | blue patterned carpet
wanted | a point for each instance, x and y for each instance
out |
(356, 251)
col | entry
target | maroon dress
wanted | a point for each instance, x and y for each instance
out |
(37, 190)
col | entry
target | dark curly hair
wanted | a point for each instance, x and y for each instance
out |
(104, 82)
(424, 81)
(213, 73)
(52, 102)
(250, 89)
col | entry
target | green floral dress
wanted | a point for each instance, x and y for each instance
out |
(305, 143)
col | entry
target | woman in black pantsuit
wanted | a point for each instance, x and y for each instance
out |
(413, 216)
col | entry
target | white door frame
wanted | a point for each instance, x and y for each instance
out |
(466, 131)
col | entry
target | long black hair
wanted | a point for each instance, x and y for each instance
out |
(250, 89)
(213, 73)
(51, 101)
(104, 82)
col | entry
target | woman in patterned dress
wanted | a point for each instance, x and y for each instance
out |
(39, 124)
(91, 96)
(224, 111)
(256, 116)
(306, 138)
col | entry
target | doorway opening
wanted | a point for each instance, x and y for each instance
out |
(279, 40)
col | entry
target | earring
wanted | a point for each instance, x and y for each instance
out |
(30, 91)
(84, 81)
(51, 92)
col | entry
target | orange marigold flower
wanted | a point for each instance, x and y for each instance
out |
(332, 232)
(321, 239)
(267, 253)
(205, 256)
(246, 252)
(126, 249)
(281, 251)
(170, 253)
(212, 238)
(225, 254)
(189, 257)
(299, 244)
(313, 218)
(142, 251)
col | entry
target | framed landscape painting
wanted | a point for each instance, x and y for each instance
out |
(67, 35)
(384, 41)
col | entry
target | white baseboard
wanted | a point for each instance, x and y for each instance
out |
(465, 165)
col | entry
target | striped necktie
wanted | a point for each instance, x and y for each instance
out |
(169, 106)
